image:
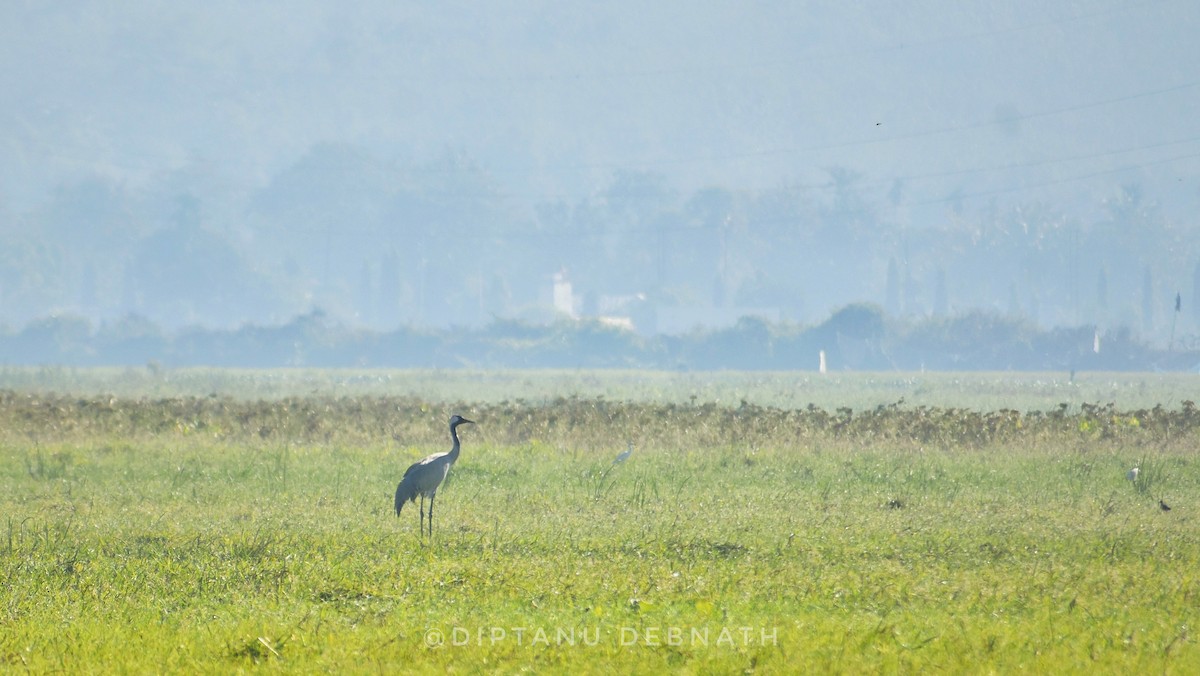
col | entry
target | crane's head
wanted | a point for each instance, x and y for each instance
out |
(456, 420)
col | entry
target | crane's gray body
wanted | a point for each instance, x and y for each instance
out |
(425, 476)
(624, 455)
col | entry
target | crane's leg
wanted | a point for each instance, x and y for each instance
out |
(431, 514)
(422, 526)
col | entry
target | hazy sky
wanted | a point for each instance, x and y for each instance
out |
(1056, 101)
(436, 163)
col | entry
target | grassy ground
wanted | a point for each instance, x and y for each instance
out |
(217, 535)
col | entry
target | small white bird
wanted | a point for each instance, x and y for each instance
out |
(1132, 475)
(624, 455)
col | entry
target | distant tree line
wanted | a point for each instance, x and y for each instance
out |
(856, 337)
(439, 243)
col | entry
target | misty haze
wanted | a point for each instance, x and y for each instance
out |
(653, 170)
(832, 337)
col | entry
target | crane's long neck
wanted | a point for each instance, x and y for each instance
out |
(455, 448)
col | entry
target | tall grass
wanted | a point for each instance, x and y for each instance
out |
(788, 390)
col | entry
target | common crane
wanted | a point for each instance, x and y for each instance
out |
(624, 455)
(424, 476)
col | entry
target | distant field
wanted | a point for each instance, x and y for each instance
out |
(220, 534)
(978, 391)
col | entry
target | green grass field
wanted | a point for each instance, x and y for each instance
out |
(155, 532)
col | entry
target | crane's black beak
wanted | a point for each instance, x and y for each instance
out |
(464, 420)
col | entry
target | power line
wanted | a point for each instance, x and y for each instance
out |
(825, 185)
(772, 64)
(795, 150)
(1070, 179)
